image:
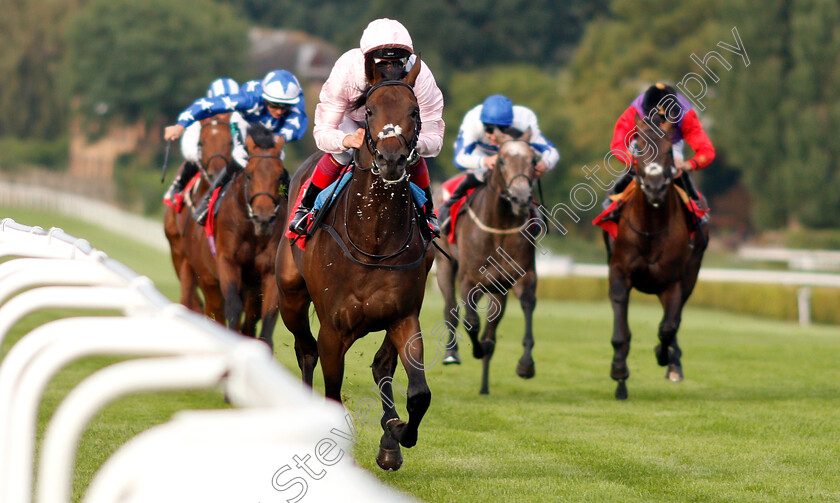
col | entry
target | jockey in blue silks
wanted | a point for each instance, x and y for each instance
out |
(275, 102)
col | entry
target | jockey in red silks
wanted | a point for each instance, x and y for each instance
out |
(339, 130)
(663, 100)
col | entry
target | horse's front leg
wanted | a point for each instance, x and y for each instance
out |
(189, 287)
(498, 301)
(270, 308)
(389, 457)
(230, 282)
(526, 290)
(619, 298)
(332, 348)
(294, 309)
(668, 351)
(406, 337)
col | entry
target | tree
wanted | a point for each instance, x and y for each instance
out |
(29, 62)
(138, 60)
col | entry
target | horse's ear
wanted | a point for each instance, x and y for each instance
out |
(249, 143)
(372, 73)
(411, 78)
(666, 126)
(526, 136)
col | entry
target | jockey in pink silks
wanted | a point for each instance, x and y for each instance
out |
(339, 130)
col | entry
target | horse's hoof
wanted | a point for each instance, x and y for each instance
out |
(674, 373)
(661, 359)
(484, 391)
(389, 460)
(526, 370)
(452, 358)
(621, 390)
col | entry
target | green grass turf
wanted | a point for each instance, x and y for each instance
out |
(757, 418)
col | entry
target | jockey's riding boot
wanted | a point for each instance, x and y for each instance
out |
(431, 218)
(185, 174)
(685, 182)
(618, 188)
(469, 182)
(203, 208)
(298, 222)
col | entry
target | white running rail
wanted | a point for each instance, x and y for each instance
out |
(226, 455)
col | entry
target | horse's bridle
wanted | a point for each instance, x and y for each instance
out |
(275, 198)
(387, 133)
(202, 166)
(505, 193)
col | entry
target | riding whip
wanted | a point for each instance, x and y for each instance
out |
(165, 161)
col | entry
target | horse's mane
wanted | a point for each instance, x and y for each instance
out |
(388, 73)
(261, 135)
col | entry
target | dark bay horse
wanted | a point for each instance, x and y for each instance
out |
(248, 228)
(653, 252)
(216, 145)
(365, 268)
(491, 257)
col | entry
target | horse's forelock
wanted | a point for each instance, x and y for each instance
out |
(261, 135)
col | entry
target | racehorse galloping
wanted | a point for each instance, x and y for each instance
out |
(215, 144)
(497, 213)
(654, 252)
(248, 227)
(365, 268)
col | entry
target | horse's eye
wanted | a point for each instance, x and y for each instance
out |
(367, 111)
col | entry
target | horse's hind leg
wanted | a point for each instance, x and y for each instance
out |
(446, 282)
(409, 346)
(470, 297)
(619, 298)
(389, 457)
(252, 307)
(489, 338)
(668, 351)
(526, 290)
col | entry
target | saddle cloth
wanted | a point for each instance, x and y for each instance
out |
(611, 226)
(177, 202)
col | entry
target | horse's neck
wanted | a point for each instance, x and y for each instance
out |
(653, 219)
(495, 210)
(382, 210)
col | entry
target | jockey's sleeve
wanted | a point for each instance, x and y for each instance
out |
(548, 152)
(203, 108)
(466, 154)
(623, 127)
(294, 124)
(692, 131)
(430, 100)
(333, 102)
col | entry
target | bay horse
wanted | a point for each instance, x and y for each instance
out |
(248, 227)
(491, 257)
(365, 268)
(215, 145)
(654, 252)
